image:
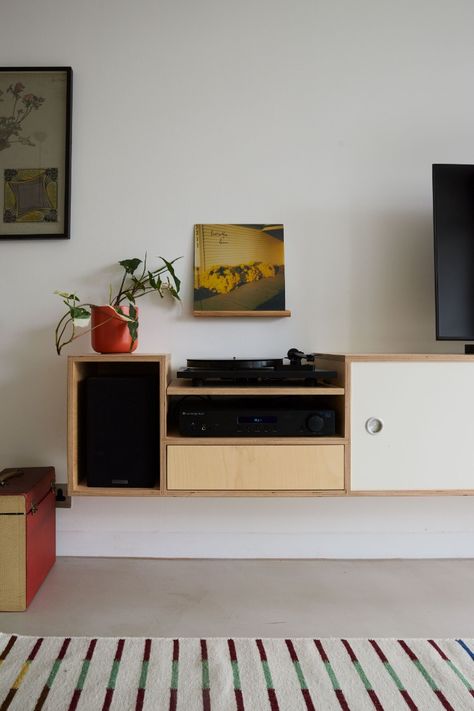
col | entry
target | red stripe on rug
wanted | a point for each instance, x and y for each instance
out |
(375, 699)
(239, 700)
(342, 699)
(438, 649)
(261, 649)
(407, 649)
(90, 650)
(10, 644)
(380, 654)
(232, 650)
(273, 700)
(321, 650)
(64, 647)
(119, 652)
(35, 649)
(206, 700)
(146, 653)
(309, 701)
(140, 700)
(349, 650)
(291, 649)
(108, 699)
(173, 699)
(409, 701)
(444, 700)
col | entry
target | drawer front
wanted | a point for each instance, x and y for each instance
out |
(255, 467)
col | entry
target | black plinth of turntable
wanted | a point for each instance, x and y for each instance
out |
(255, 370)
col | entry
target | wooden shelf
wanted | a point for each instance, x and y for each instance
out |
(184, 387)
(176, 438)
(84, 490)
(247, 314)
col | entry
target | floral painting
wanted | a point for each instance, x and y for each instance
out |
(239, 269)
(35, 125)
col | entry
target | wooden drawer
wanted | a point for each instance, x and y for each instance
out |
(255, 467)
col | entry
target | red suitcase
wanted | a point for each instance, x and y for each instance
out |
(27, 533)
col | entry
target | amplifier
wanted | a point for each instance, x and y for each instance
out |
(208, 419)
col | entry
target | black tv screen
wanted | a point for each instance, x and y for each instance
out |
(453, 223)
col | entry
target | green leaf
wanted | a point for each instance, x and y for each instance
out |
(133, 325)
(67, 295)
(78, 312)
(130, 265)
(122, 314)
(130, 296)
(151, 280)
(177, 282)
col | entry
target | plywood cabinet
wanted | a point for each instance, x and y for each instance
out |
(405, 426)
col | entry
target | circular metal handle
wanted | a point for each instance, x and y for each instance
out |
(374, 425)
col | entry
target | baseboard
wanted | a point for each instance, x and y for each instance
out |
(349, 545)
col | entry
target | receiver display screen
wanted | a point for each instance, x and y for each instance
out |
(257, 420)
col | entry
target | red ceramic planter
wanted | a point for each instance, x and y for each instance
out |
(110, 333)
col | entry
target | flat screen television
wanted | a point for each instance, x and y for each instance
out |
(453, 225)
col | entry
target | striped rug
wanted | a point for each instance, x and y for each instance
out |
(133, 674)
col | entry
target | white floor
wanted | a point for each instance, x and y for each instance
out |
(268, 598)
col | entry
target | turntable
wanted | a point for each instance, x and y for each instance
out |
(300, 368)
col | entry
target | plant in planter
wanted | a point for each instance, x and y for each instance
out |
(114, 327)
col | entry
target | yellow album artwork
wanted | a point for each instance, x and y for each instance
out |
(239, 268)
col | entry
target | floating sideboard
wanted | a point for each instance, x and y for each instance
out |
(404, 426)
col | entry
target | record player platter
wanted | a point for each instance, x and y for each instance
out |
(234, 363)
(255, 370)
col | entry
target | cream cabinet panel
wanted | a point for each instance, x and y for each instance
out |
(412, 426)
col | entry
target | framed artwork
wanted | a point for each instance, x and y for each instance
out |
(35, 152)
(239, 270)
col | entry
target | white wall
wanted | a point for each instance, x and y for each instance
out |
(325, 116)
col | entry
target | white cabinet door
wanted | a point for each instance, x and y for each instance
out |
(424, 414)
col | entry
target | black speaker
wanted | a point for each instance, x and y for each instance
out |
(122, 431)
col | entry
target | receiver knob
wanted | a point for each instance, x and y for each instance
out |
(315, 423)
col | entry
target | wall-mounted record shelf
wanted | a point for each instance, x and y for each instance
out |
(247, 314)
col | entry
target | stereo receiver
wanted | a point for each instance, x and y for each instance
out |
(223, 419)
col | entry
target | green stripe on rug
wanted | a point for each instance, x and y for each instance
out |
(236, 675)
(300, 675)
(459, 674)
(394, 676)
(143, 675)
(267, 674)
(174, 674)
(113, 674)
(335, 684)
(83, 674)
(205, 674)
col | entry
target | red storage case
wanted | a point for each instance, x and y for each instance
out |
(27, 533)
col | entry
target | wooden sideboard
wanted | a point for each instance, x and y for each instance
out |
(403, 428)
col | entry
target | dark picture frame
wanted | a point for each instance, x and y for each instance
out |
(35, 152)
